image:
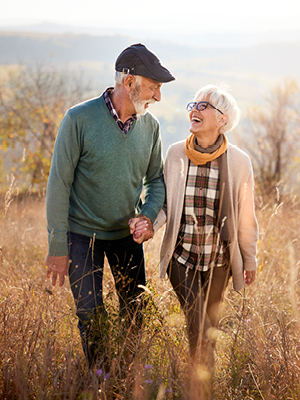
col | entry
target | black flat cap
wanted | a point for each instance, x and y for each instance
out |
(137, 59)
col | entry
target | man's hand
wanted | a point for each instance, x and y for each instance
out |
(57, 266)
(250, 277)
(141, 228)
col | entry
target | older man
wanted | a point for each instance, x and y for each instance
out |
(106, 149)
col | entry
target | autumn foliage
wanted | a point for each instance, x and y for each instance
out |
(32, 105)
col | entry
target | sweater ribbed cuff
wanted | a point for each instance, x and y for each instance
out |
(58, 249)
(149, 212)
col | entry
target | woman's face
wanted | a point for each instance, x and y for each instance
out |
(204, 122)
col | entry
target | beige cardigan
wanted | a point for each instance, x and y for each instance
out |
(240, 203)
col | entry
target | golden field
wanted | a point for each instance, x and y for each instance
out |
(258, 348)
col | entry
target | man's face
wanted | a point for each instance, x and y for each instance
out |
(146, 91)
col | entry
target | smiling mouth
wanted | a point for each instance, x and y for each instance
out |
(196, 119)
(148, 103)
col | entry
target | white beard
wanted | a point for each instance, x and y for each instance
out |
(139, 104)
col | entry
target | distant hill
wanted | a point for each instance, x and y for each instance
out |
(250, 71)
(68, 49)
(214, 38)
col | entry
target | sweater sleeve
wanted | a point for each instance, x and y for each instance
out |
(65, 157)
(154, 182)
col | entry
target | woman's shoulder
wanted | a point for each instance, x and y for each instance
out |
(177, 147)
(235, 151)
(176, 157)
(239, 161)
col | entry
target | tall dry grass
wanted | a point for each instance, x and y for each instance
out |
(257, 353)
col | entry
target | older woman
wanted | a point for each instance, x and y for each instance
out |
(211, 230)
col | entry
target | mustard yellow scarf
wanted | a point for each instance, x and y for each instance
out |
(199, 158)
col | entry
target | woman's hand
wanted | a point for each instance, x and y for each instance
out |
(250, 277)
(141, 228)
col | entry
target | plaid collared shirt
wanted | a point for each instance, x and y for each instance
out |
(123, 126)
(199, 244)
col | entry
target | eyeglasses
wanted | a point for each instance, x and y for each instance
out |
(202, 105)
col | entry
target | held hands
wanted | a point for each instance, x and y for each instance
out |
(141, 228)
(57, 266)
(250, 277)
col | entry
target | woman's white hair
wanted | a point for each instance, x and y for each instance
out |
(219, 97)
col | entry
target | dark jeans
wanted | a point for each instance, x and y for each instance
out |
(126, 260)
(200, 296)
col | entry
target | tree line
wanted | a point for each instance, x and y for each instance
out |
(32, 104)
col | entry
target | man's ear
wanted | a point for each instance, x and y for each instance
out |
(129, 82)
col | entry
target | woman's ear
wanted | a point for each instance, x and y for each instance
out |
(223, 120)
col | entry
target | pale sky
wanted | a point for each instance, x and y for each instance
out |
(171, 15)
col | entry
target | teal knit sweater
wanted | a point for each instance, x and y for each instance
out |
(97, 175)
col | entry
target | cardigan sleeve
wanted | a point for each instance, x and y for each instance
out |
(161, 219)
(248, 227)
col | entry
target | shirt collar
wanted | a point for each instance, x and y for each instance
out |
(111, 108)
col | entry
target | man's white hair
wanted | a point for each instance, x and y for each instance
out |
(219, 97)
(120, 77)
